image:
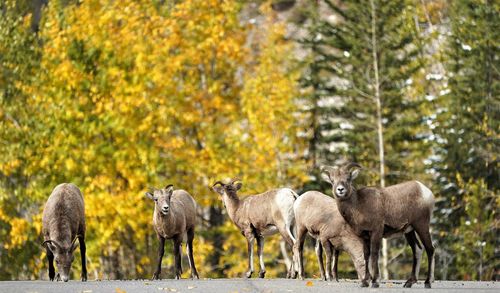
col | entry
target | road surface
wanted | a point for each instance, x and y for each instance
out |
(238, 285)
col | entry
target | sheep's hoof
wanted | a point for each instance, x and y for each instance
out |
(84, 279)
(329, 278)
(262, 274)
(364, 283)
(195, 276)
(177, 277)
(58, 277)
(375, 285)
(156, 276)
(427, 285)
(409, 283)
(248, 274)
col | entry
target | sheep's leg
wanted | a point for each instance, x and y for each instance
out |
(298, 251)
(335, 264)
(354, 248)
(416, 249)
(189, 247)
(83, 251)
(425, 236)
(161, 250)
(366, 254)
(286, 236)
(250, 238)
(319, 254)
(260, 251)
(375, 240)
(50, 258)
(177, 256)
(327, 247)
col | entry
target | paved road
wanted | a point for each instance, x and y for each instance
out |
(237, 285)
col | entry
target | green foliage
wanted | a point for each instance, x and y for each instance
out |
(341, 79)
(467, 134)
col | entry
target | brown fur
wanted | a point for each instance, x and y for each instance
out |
(63, 221)
(317, 214)
(179, 221)
(258, 216)
(374, 213)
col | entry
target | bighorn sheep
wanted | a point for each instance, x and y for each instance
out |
(317, 214)
(258, 216)
(375, 213)
(63, 222)
(174, 217)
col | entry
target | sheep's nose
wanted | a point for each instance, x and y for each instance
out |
(64, 278)
(340, 189)
(165, 208)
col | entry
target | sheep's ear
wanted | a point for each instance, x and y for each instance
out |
(151, 196)
(353, 174)
(219, 189)
(325, 175)
(238, 186)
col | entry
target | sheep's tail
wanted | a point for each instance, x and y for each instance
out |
(290, 221)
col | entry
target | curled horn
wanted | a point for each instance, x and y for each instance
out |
(51, 242)
(218, 182)
(328, 169)
(168, 186)
(348, 166)
(236, 179)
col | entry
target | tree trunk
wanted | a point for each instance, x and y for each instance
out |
(380, 130)
(216, 219)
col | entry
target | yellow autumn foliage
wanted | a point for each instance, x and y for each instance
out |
(130, 95)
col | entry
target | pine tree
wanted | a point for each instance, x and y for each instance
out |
(365, 57)
(467, 133)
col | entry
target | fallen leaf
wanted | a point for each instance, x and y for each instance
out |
(309, 283)
(118, 290)
(191, 287)
(87, 291)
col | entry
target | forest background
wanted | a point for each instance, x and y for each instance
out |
(121, 96)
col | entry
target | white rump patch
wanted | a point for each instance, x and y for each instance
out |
(297, 203)
(284, 200)
(426, 192)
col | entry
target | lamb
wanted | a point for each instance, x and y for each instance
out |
(174, 217)
(317, 214)
(258, 216)
(375, 213)
(63, 221)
